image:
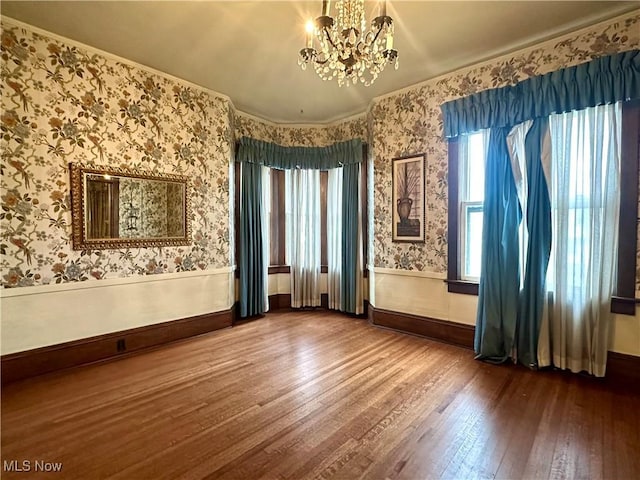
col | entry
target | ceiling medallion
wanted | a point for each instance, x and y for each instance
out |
(342, 48)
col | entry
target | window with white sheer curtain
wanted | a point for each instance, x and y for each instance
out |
(266, 233)
(581, 164)
(334, 237)
(582, 171)
(303, 229)
(302, 189)
(584, 187)
(581, 153)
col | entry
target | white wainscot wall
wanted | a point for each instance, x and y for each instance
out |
(280, 283)
(45, 315)
(626, 333)
(425, 294)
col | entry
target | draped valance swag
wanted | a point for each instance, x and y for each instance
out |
(601, 81)
(277, 156)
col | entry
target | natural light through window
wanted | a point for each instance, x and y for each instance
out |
(585, 165)
(472, 161)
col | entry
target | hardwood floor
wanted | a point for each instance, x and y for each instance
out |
(316, 395)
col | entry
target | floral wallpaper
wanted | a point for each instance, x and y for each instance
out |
(62, 104)
(410, 122)
(304, 136)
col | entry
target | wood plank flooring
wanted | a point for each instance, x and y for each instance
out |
(316, 395)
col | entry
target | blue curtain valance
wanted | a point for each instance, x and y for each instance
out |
(601, 81)
(309, 158)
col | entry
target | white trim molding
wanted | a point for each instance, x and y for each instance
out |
(108, 282)
(410, 273)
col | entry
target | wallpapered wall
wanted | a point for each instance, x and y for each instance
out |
(64, 104)
(410, 122)
(306, 136)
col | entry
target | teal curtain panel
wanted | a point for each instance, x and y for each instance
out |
(538, 218)
(350, 244)
(250, 251)
(500, 279)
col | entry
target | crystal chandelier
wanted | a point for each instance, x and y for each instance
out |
(345, 49)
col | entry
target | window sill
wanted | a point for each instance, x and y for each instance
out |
(621, 305)
(273, 269)
(462, 286)
(624, 305)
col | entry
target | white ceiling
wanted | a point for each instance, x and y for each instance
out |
(248, 50)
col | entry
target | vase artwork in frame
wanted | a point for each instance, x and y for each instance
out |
(408, 180)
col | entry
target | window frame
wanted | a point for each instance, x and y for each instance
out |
(455, 283)
(277, 231)
(624, 300)
(465, 207)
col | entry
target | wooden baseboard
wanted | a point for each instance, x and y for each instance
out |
(622, 369)
(280, 301)
(441, 330)
(29, 363)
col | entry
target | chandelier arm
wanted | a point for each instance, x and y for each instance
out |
(377, 35)
(329, 37)
(383, 21)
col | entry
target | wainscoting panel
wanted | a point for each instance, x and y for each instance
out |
(420, 293)
(626, 333)
(20, 365)
(34, 317)
(425, 294)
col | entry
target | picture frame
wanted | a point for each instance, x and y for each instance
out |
(409, 189)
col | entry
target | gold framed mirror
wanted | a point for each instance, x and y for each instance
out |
(113, 207)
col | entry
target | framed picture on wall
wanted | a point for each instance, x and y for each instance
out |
(408, 181)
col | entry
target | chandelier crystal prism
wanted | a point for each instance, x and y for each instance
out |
(343, 48)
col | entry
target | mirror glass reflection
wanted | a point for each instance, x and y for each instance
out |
(119, 207)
